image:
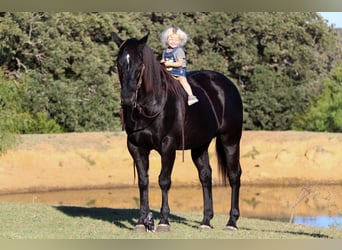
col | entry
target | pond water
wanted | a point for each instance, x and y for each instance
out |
(315, 205)
(320, 221)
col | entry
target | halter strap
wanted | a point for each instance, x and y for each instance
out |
(140, 77)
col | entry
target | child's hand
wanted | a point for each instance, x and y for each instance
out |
(167, 63)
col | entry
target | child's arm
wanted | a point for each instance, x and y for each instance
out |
(162, 59)
(177, 64)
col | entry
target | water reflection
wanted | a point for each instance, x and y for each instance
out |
(275, 203)
(320, 221)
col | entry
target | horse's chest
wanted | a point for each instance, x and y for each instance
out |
(143, 139)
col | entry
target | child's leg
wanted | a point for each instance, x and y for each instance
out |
(184, 82)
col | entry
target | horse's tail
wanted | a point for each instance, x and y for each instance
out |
(221, 161)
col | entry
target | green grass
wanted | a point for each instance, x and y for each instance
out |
(39, 221)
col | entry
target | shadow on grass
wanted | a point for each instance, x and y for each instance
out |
(119, 217)
(286, 231)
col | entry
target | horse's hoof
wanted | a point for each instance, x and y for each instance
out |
(231, 228)
(140, 228)
(205, 227)
(163, 228)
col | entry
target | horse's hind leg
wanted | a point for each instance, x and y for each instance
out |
(201, 159)
(234, 180)
(230, 158)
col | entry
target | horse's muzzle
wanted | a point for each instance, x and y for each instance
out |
(128, 101)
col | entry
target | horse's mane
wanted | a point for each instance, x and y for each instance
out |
(156, 73)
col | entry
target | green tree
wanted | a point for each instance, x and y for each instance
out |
(278, 60)
(14, 119)
(66, 60)
(8, 115)
(325, 110)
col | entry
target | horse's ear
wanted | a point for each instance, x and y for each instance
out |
(116, 39)
(144, 39)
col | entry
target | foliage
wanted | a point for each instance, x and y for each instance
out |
(66, 61)
(14, 120)
(9, 115)
(325, 111)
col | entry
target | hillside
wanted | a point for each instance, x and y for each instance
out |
(88, 160)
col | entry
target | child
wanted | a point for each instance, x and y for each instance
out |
(173, 39)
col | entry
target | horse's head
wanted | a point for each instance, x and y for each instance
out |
(130, 67)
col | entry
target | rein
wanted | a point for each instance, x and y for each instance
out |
(139, 85)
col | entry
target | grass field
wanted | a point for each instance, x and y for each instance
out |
(39, 221)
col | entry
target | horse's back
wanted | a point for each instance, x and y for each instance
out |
(221, 94)
(213, 81)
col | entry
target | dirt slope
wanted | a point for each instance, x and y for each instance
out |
(85, 160)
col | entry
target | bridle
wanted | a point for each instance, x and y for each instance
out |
(139, 84)
(137, 105)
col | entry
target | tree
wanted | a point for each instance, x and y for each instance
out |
(14, 120)
(66, 61)
(279, 61)
(325, 110)
(8, 115)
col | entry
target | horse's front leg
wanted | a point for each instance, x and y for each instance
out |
(140, 156)
(168, 154)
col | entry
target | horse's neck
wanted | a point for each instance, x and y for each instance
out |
(155, 98)
(155, 89)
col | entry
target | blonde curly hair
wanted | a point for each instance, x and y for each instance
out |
(173, 30)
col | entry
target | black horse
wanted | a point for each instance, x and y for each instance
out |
(156, 117)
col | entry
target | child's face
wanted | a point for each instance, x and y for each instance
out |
(173, 41)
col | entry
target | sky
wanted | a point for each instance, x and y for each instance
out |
(333, 18)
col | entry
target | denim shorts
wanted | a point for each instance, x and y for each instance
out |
(178, 71)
